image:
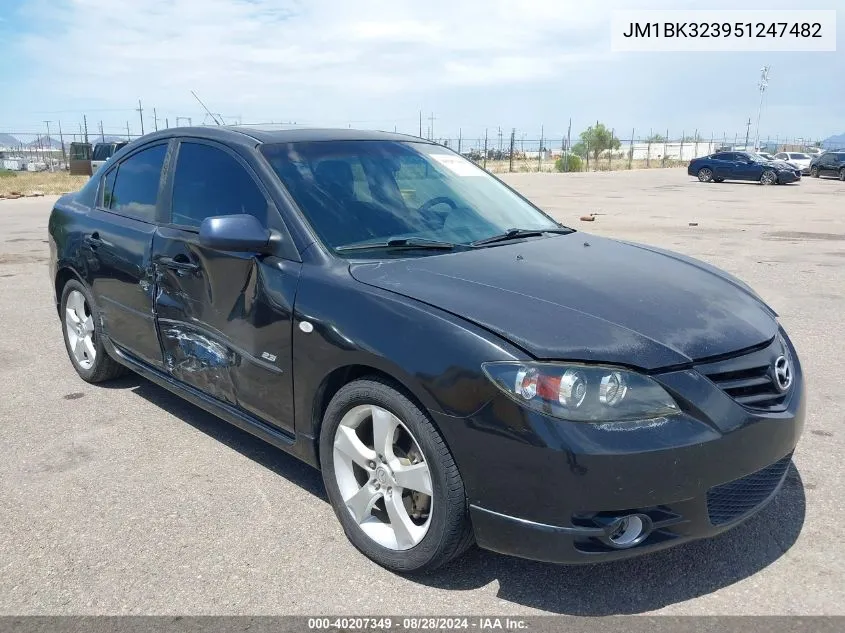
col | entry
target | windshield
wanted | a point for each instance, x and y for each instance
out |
(354, 192)
(798, 156)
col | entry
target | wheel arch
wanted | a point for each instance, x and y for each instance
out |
(63, 275)
(341, 376)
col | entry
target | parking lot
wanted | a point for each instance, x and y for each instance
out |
(122, 498)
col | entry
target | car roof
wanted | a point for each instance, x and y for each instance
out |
(256, 135)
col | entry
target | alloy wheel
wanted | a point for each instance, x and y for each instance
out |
(705, 174)
(383, 477)
(769, 177)
(79, 329)
(842, 174)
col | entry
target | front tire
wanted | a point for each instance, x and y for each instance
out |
(83, 340)
(842, 174)
(391, 479)
(769, 177)
(705, 174)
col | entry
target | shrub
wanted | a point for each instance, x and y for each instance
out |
(573, 163)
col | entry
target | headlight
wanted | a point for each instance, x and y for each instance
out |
(586, 393)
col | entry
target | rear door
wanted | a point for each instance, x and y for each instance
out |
(827, 164)
(723, 165)
(224, 317)
(117, 249)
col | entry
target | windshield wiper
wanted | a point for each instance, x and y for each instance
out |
(513, 234)
(403, 242)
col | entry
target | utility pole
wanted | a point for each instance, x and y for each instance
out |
(155, 120)
(85, 122)
(568, 144)
(128, 137)
(102, 136)
(510, 155)
(764, 83)
(420, 123)
(49, 144)
(140, 112)
(431, 124)
(485, 148)
(747, 131)
(62, 141)
(166, 122)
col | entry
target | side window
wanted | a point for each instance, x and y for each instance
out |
(134, 187)
(108, 188)
(209, 182)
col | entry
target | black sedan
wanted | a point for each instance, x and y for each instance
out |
(742, 166)
(460, 366)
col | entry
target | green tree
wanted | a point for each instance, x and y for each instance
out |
(579, 149)
(656, 138)
(598, 139)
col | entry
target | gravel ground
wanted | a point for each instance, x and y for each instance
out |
(124, 499)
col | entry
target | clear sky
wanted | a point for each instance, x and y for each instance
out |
(475, 64)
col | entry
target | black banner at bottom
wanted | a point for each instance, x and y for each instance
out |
(480, 623)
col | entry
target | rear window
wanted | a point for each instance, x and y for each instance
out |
(798, 156)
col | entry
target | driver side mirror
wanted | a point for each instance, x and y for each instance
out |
(240, 233)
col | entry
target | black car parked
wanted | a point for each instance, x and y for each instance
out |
(460, 366)
(828, 164)
(723, 166)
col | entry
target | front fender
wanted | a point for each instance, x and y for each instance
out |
(435, 355)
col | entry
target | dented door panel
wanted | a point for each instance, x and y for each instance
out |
(225, 323)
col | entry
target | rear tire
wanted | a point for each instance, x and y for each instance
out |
(83, 337)
(705, 174)
(814, 171)
(842, 174)
(397, 526)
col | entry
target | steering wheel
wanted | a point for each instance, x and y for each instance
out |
(438, 200)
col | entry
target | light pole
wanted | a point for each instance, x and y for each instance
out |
(764, 83)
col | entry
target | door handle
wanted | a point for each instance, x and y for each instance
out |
(181, 267)
(93, 240)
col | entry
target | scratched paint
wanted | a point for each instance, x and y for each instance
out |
(200, 361)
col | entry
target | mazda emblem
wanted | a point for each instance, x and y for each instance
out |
(783, 373)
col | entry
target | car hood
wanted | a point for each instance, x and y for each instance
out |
(584, 297)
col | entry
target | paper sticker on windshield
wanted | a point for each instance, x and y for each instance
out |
(457, 165)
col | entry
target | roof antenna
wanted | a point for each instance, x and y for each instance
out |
(206, 109)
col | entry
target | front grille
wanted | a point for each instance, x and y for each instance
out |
(749, 378)
(730, 501)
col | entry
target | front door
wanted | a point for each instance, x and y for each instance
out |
(224, 318)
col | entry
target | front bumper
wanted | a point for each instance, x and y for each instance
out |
(547, 489)
(788, 176)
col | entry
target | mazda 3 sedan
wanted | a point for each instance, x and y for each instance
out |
(460, 366)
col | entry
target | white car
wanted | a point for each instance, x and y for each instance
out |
(798, 159)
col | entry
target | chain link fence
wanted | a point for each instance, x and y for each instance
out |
(498, 151)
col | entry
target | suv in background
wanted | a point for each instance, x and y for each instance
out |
(104, 151)
(829, 164)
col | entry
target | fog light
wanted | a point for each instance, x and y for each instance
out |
(626, 531)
